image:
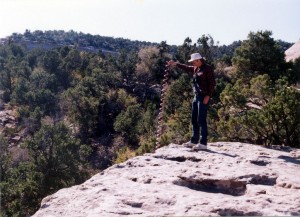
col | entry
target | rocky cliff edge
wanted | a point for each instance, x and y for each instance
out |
(228, 179)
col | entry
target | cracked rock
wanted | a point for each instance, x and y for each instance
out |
(230, 179)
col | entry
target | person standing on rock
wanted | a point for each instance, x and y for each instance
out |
(204, 85)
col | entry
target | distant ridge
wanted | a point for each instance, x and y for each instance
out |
(86, 42)
(50, 39)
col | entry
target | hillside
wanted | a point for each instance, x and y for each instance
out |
(66, 114)
(85, 42)
(230, 179)
(108, 45)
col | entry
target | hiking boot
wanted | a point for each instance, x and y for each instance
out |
(189, 144)
(200, 147)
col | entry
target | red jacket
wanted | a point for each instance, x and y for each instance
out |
(203, 78)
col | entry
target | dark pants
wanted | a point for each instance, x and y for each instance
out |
(199, 114)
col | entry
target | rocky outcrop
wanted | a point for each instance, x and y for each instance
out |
(293, 52)
(8, 126)
(7, 118)
(228, 179)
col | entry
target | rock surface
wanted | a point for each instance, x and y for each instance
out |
(293, 52)
(8, 124)
(228, 179)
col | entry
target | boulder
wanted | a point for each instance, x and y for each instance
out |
(293, 52)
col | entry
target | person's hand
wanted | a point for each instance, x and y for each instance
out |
(171, 63)
(205, 100)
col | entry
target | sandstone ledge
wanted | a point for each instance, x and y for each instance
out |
(228, 179)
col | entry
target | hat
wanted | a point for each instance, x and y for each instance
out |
(195, 56)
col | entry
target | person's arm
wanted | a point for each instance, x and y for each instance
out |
(211, 86)
(211, 82)
(187, 68)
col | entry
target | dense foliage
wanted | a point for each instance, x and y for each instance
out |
(79, 112)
